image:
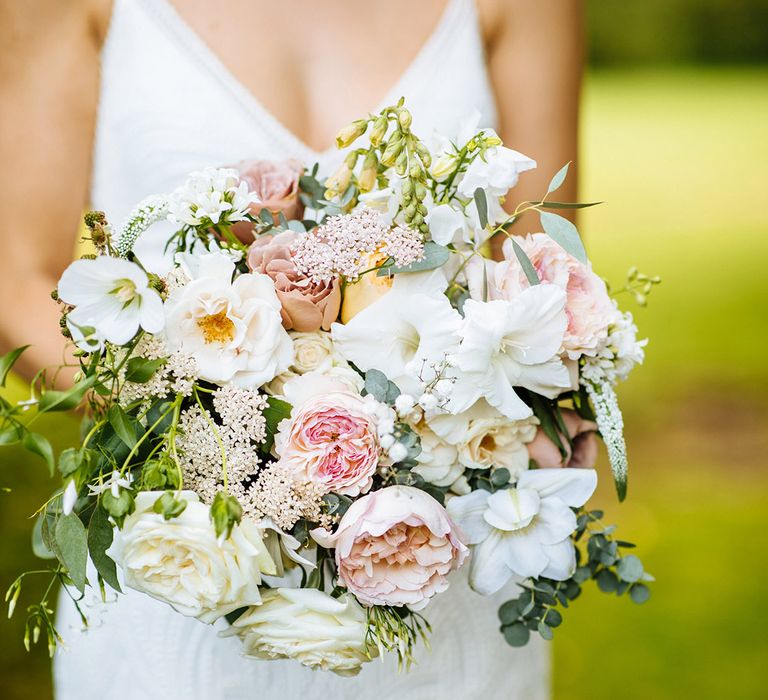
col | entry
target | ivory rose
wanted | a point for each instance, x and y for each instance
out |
(583, 435)
(306, 305)
(332, 437)
(181, 561)
(307, 625)
(395, 546)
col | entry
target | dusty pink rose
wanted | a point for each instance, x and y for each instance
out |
(583, 435)
(588, 306)
(396, 547)
(306, 305)
(332, 440)
(276, 184)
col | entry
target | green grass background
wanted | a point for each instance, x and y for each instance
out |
(680, 158)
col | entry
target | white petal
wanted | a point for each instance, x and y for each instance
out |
(562, 560)
(444, 223)
(572, 486)
(69, 498)
(467, 512)
(524, 553)
(151, 313)
(512, 509)
(488, 571)
(555, 521)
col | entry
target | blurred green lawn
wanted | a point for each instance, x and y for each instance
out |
(679, 158)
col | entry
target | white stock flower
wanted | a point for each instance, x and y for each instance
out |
(215, 195)
(483, 437)
(181, 561)
(408, 328)
(111, 296)
(233, 330)
(309, 626)
(523, 531)
(507, 344)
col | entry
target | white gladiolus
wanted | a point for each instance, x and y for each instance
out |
(523, 531)
(232, 329)
(505, 344)
(309, 626)
(181, 561)
(112, 297)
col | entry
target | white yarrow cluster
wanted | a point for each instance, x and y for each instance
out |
(216, 195)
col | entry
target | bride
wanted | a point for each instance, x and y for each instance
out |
(107, 101)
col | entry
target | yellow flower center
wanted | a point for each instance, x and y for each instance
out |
(125, 291)
(217, 328)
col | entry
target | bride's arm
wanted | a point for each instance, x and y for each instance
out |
(49, 53)
(535, 57)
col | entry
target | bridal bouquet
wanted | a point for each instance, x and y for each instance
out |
(331, 399)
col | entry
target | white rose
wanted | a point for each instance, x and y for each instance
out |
(232, 329)
(309, 626)
(314, 351)
(438, 461)
(484, 437)
(181, 562)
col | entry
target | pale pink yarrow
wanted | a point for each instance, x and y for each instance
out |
(343, 244)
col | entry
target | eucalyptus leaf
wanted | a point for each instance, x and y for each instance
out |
(481, 202)
(7, 362)
(559, 178)
(566, 205)
(517, 634)
(525, 263)
(39, 445)
(434, 256)
(100, 535)
(545, 631)
(640, 593)
(71, 540)
(564, 233)
(630, 568)
(376, 384)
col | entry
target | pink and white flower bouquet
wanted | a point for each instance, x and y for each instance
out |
(330, 400)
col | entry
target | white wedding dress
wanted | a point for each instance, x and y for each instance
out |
(168, 107)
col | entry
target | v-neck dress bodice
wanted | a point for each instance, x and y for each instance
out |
(169, 106)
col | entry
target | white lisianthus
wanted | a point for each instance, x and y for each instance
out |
(401, 334)
(483, 437)
(505, 344)
(523, 531)
(233, 330)
(181, 561)
(213, 195)
(309, 626)
(112, 297)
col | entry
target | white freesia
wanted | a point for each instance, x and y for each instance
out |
(111, 296)
(507, 344)
(232, 329)
(215, 195)
(181, 561)
(483, 437)
(412, 326)
(523, 531)
(309, 626)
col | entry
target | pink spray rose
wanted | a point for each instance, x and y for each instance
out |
(584, 437)
(395, 546)
(588, 307)
(332, 440)
(306, 305)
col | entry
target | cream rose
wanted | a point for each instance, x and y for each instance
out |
(395, 546)
(314, 352)
(309, 626)
(181, 562)
(438, 462)
(232, 329)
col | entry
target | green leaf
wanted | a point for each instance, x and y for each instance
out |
(64, 400)
(72, 543)
(434, 256)
(12, 434)
(123, 427)
(640, 593)
(545, 631)
(169, 506)
(559, 178)
(500, 477)
(39, 546)
(566, 205)
(376, 384)
(630, 568)
(516, 635)
(39, 445)
(564, 233)
(7, 362)
(553, 618)
(509, 612)
(119, 508)
(525, 263)
(482, 206)
(607, 581)
(226, 512)
(99, 539)
(276, 411)
(140, 370)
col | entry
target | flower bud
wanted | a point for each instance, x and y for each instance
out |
(351, 132)
(424, 154)
(421, 191)
(367, 178)
(443, 166)
(379, 130)
(119, 507)
(226, 512)
(393, 150)
(401, 164)
(405, 118)
(339, 181)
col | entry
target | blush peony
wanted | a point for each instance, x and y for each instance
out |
(395, 546)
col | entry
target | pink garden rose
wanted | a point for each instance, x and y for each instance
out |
(276, 184)
(588, 307)
(584, 437)
(396, 547)
(306, 305)
(332, 440)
